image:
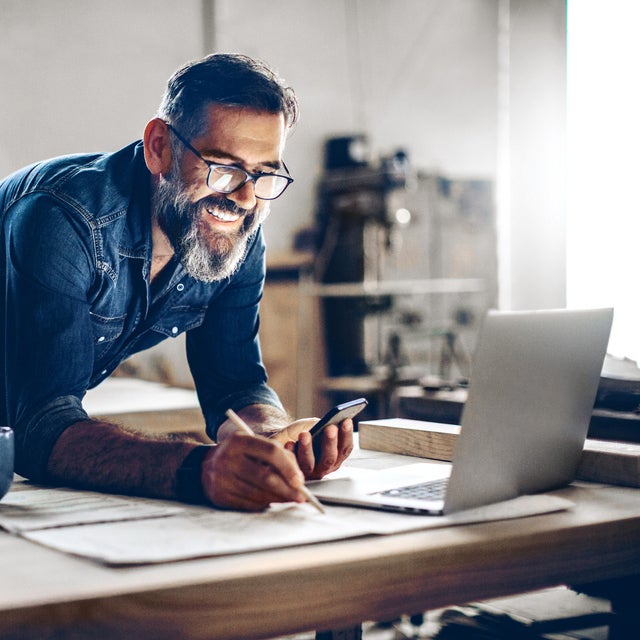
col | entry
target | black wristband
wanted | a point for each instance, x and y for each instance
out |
(189, 476)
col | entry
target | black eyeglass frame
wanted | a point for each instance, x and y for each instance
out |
(253, 177)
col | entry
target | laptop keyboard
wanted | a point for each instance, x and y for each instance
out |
(432, 490)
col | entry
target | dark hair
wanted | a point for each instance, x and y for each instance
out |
(228, 79)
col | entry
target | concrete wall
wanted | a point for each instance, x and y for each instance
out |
(416, 74)
(86, 75)
(534, 251)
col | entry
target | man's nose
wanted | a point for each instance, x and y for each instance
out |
(245, 197)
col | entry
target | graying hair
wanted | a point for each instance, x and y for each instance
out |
(228, 79)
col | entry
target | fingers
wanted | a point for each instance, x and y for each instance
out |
(305, 454)
(247, 472)
(292, 431)
(336, 444)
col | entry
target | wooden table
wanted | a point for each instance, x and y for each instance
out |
(46, 594)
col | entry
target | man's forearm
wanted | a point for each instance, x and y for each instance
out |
(106, 457)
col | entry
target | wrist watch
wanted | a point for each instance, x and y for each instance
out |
(189, 476)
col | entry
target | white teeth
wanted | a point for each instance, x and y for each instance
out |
(223, 216)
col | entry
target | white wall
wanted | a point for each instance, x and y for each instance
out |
(535, 253)
(84, 75)
(417, 74)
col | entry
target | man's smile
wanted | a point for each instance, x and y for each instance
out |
(222, 215)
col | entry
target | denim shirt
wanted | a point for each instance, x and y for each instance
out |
(74, 271)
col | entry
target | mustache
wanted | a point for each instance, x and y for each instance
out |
(223, 204)
(228, 206)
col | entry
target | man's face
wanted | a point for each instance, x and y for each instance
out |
(208, 230)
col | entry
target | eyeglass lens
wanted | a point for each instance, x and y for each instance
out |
(228, 179)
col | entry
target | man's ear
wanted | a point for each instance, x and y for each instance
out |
(157, 147)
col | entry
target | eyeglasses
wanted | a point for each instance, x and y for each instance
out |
(226, 178)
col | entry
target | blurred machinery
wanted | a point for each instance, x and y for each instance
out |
(361, 203)
(405, 268)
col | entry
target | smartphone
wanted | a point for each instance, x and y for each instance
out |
(336, 415)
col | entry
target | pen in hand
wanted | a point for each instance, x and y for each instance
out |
(244, 427)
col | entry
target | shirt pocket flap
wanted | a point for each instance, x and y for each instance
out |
(106, 329)
(180, 319)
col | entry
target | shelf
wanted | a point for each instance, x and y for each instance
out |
(397, 287)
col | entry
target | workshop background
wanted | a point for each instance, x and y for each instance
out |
(429, 163)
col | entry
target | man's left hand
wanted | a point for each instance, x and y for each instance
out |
(336, 445)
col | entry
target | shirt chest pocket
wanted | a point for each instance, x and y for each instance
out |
(179, 319)
(106, 330)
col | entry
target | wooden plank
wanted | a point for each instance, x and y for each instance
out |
(409, 437)
(611, 462)
(606, 461)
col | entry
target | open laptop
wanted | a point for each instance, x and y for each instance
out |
(533, 384)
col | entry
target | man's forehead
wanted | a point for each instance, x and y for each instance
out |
(240, 130)
(235, 116)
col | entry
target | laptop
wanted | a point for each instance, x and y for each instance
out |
(532, 388)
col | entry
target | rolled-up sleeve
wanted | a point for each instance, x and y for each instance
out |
(36, 438)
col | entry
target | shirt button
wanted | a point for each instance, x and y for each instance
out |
(101, 339)
(180, 287)
(174, 330)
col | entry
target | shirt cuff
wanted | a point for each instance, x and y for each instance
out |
(36, 440)
(258, 394)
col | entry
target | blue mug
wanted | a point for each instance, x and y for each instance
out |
(6, 459)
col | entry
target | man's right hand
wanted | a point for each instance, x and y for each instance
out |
(250, 472)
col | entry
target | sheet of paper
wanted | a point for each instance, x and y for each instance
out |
(199, 532)
(29, 507)
(118, 530)
(195, 534)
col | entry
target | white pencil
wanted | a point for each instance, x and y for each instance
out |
(243, 426)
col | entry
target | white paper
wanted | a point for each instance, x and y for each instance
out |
(29, 507)
(201, 532)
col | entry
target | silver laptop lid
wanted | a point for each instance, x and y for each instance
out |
(533, 384)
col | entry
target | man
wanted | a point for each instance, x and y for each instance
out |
(105, 255)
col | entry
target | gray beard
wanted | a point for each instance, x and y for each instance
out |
(206, 256)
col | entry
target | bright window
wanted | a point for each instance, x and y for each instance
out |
(603, 251)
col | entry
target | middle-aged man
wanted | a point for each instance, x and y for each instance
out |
(104, 255)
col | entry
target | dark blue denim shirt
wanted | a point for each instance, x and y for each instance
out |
(75, 264)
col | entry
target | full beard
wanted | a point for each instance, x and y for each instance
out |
(205, 254)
